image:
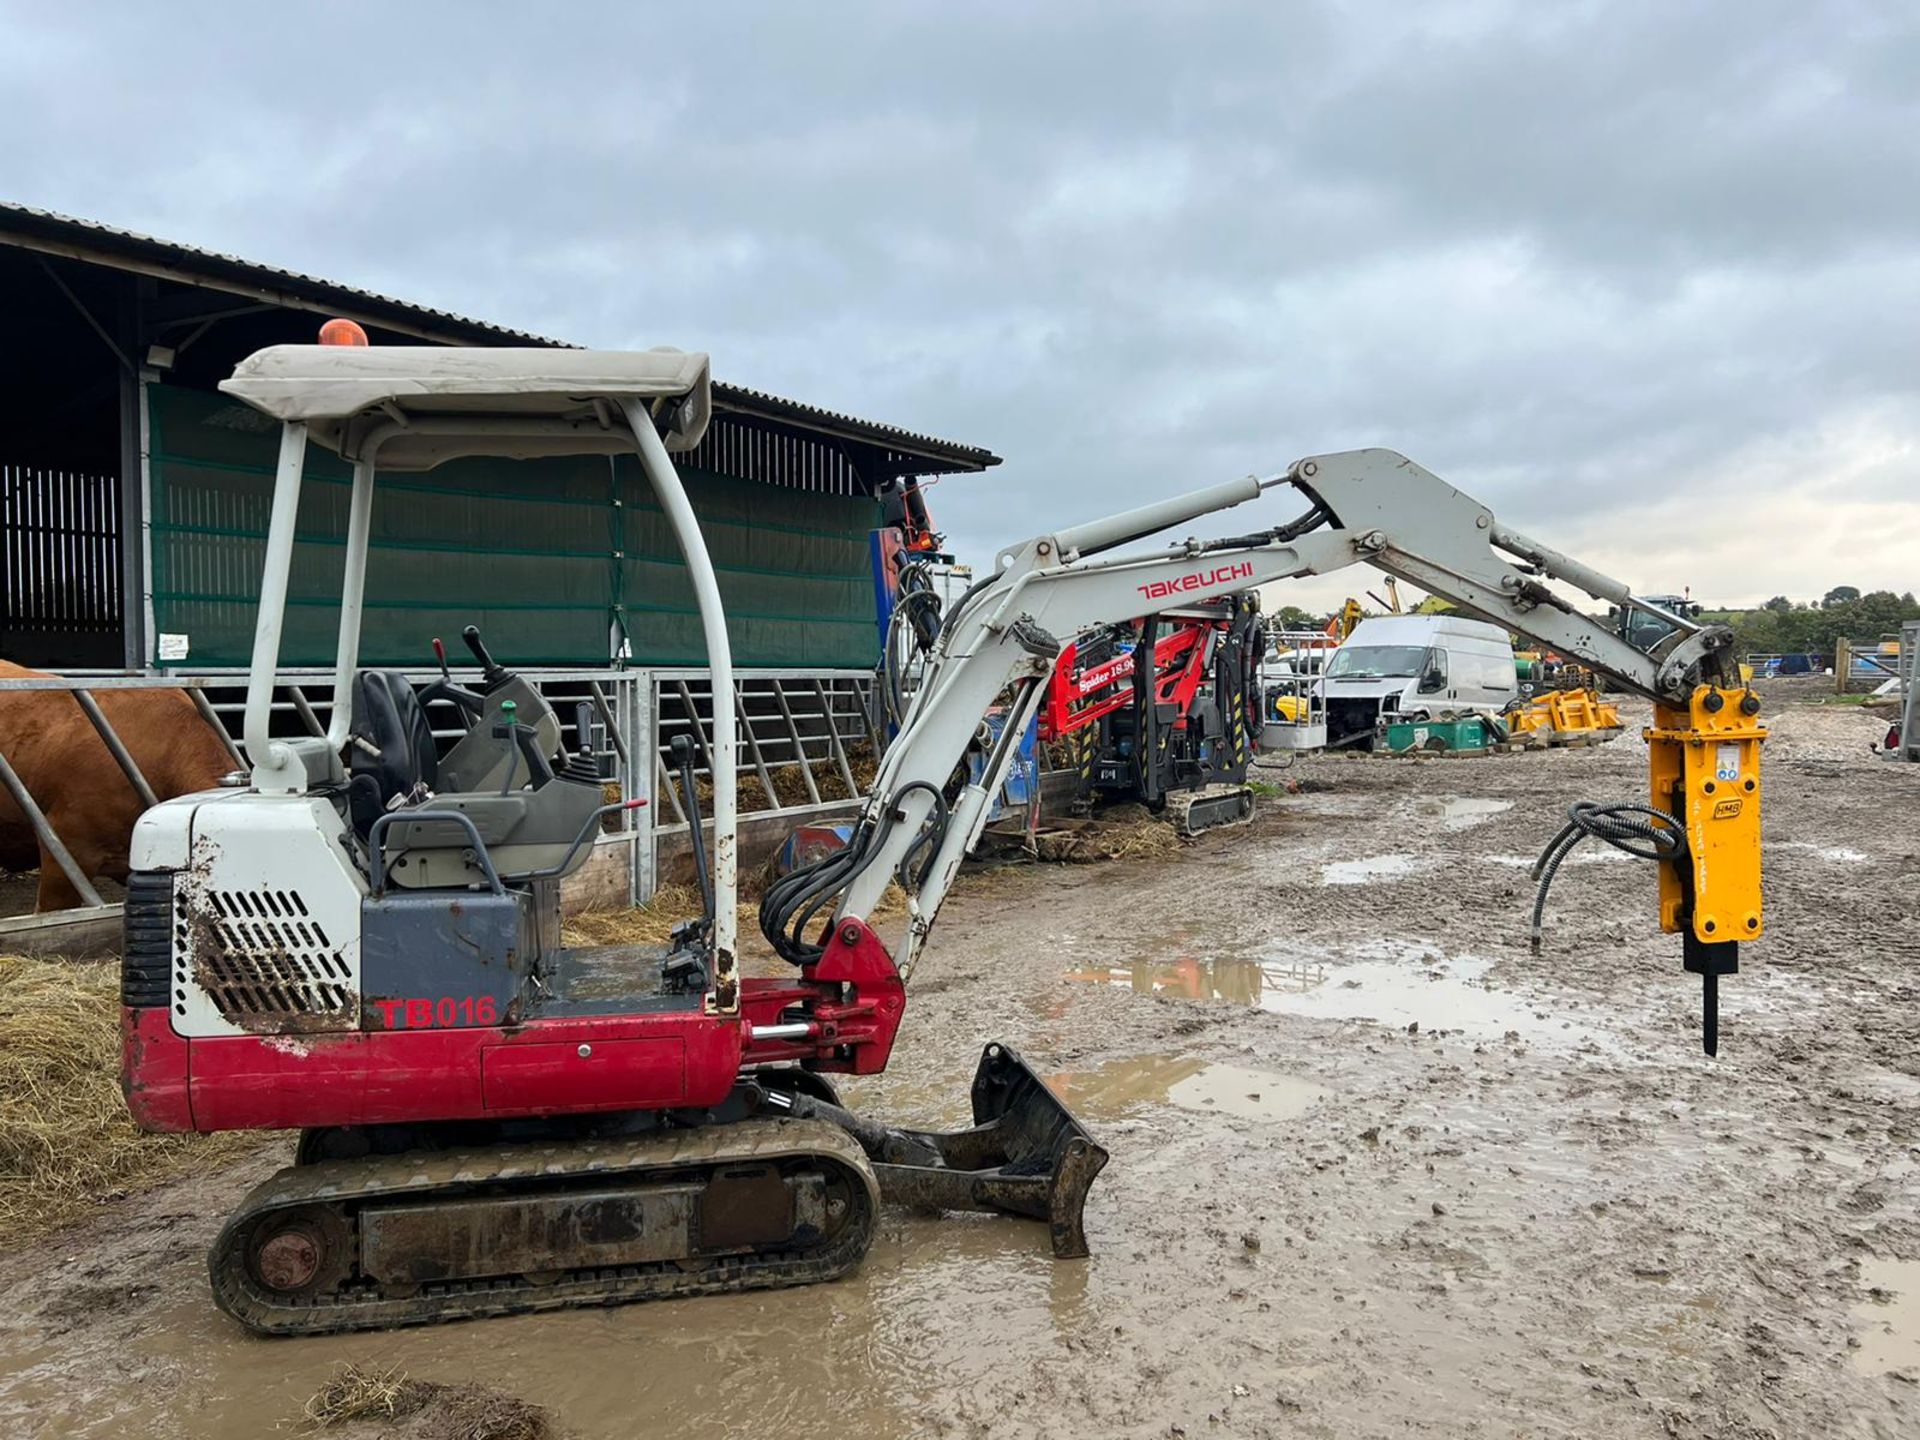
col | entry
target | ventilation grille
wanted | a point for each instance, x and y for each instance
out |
(260, 956)
(146, 951)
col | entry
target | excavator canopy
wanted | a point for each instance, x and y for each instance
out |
(433, 404)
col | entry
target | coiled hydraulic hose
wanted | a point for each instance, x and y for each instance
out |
(1656, 836)
(793, 899)
(793, 902)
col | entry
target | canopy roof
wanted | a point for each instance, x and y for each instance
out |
(424, 404)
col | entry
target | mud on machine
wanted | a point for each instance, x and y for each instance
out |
(363, 943)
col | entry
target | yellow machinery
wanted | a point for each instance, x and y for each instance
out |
(1705, 763)
(1562, 715)
(1701, 822)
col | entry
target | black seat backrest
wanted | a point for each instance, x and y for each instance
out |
(389, 716)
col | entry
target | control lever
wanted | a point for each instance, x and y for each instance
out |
(683, 757)
(491, 670)
(583, 731)
(466, 704)
(526, 740)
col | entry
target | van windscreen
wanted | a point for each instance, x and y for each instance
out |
(1377, 662)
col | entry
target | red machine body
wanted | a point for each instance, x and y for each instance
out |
(1078, 698)
(850, 1001)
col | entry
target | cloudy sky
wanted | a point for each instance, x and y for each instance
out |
(1642, 276)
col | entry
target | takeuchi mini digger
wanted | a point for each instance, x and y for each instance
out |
(362, 942)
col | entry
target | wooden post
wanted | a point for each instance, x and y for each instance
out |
(1842, 664)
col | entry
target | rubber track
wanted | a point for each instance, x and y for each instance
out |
(1216, 805)
(452, 1173)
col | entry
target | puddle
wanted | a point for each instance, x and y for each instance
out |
(1890, 1327)
(1373, 867)
(1248, 1094)
(1389, 982)
(1242, 982)
(1460, 812)
(1438, 993)
(1679, 1333)
(1116, 1087)
(929, 1311)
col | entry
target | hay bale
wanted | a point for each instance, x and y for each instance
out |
(790, 785)
(649, 924)
(368, 1396)
(652, 923)
(67, 1142)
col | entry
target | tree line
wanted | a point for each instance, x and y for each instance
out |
(1781, 627)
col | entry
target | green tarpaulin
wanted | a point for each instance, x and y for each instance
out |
(548, 558)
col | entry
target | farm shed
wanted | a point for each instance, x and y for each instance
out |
(133, 512)
(136, 495)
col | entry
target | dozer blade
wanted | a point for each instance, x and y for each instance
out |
(1192, 811)
(1024, 1155)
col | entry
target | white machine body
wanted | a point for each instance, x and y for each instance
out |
(266, 912)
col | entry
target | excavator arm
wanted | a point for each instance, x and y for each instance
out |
(1002, 638)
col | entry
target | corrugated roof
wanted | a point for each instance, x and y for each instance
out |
(52, 233)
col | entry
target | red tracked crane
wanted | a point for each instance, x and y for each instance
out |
(1177, 736)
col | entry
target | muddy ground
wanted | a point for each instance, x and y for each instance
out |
(1541, 1212)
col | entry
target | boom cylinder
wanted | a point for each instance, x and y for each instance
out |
(1098, 535)
(1563, 567)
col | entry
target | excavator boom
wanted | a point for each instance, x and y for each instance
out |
(1363, 506)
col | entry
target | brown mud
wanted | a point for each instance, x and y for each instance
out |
(1377, 1170)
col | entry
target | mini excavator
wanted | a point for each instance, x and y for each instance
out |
(360, 941)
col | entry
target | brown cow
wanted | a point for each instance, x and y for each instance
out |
(70, 774)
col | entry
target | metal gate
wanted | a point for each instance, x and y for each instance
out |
(60, 600)
(807, 747)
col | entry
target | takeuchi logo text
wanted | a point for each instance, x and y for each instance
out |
(1199, 580)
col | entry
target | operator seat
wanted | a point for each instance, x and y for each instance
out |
(388, 715)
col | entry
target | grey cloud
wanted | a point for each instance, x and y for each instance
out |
(1574, 257)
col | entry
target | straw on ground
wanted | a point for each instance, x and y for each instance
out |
(66, 1139)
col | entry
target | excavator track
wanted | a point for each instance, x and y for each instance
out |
(428, 1236)
(1209, 807)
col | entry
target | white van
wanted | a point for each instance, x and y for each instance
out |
(1415, 667)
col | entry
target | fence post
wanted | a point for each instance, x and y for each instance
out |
(1842, 664)
(643, 759)
(128, 766)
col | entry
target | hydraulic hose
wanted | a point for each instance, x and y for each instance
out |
(1657, 835)
(793, 901)
(932, 832)
(918, 607)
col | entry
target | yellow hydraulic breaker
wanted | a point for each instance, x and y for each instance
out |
(1704, 764)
